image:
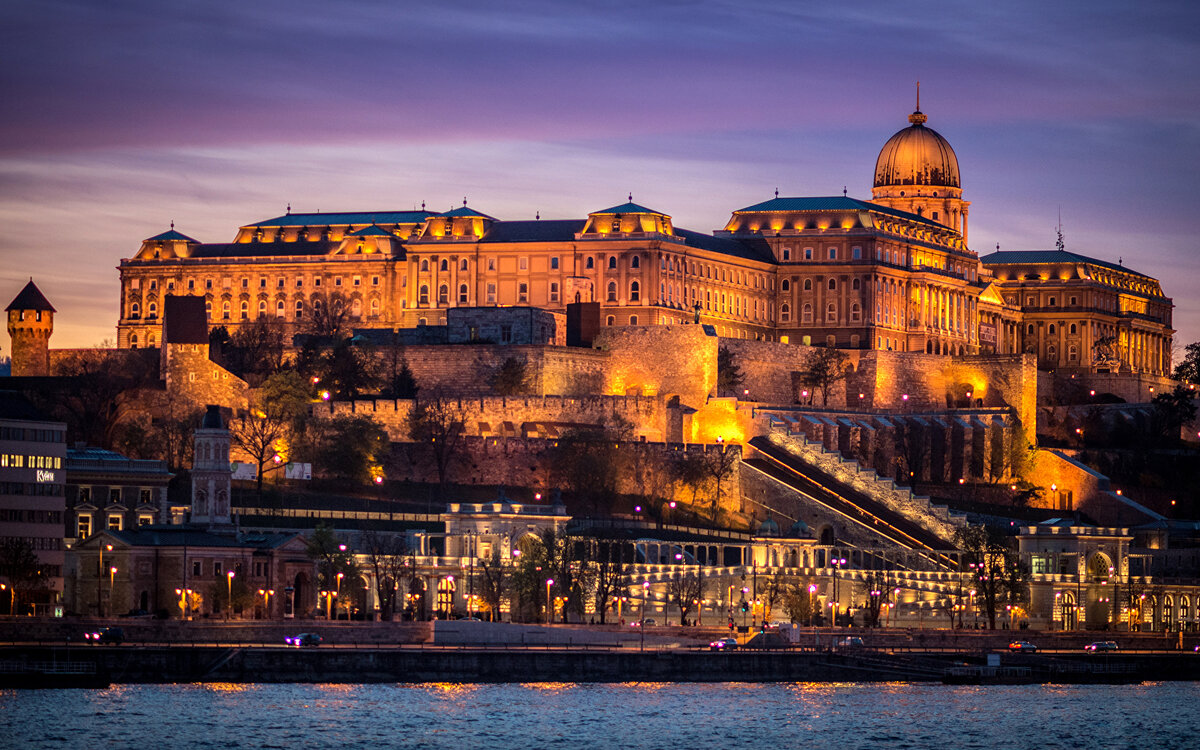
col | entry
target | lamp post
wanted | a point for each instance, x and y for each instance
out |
(266, 595)
(549, 607)
(340, 576)
(229, 593)
(837, 564)
(12, 598)
(642, 624)
(99, 572)
(812, 591)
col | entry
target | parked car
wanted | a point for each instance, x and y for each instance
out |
(1024, 646)
(723, 644)
(649, 622)
(304, 640)
(851, 641)
(114, 635)
(1097, 646)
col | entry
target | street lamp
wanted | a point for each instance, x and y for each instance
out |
(266, 595)
(642, 624)
(229, 590)
(99, 572)
(339, 591)
(837, 564)
(549, 608)
(812, 590)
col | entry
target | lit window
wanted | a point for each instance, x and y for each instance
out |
(612, 291)
(634, 291)
(423, 295)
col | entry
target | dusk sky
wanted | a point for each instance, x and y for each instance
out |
(122, 116)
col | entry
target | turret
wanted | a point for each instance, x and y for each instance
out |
(30, 323)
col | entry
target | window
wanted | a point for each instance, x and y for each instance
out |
(610, 320)
(633, 320)
(1074, 329)
(374, 307)
(635, 262)
(832, 285)
(808, 253)
(115, 521)
(506, 334)
(135, 311)
(855, 312)
(83, 526)
(423, 295)
(831, 313)
(153, 310)
(1072, 353)
(317, 281)
(491, 293)
(218, 570)
(462, 294)
(443, 295)
(806, 313)
(833, 253)
(424, 265)
(133, 341)
(462, 266)
(281, 281)
(279, 310)
(337, 280)
(225, 310)
(634, 291)
(589, 263)
(554, 291)
(787, 253)
(262, 308)
(191, 285)
(785, 313)
(1074, 301)
(612, 262)
(612, 291)
(299, 309)
(445, 266)
(299, 282)
(522, 292)
(262, 282)
(1050, 330)
(523, 264)
(935, 215)
(492, 264)
(785, 286)
(856, 285)
(856, 253)
(196, 570)
(553, 263)
(808, 285)
(1052, 302)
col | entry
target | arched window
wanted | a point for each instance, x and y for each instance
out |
(785, 313)
(445, 265)
(612, 262)
(374, 307)
(635, 262)
(462, 293)
(633, 320)
(856, 285)
(424, 264)
(1074, 329)
(806, 313)
(208, 309)
(423, 295)
(1050, 330)
(135, 310)
(785, 286)
(1030, 329)
(299, 309)
(262, 307)
(153, 310)
(443, 295)
(610, 321)
(612, 291)
(1051, 353)
(808, 285)
(1072, 353)
(356, 308)
(635, 291)
(855, 312)
(462, 266)
(225, 310)
(589, 263)
(832, 284)
(133, 341)
(831, 313)
(279, 309)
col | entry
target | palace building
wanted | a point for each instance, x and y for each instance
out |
(892, 273)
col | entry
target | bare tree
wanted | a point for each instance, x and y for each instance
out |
(826, 367)
(385, 559)
(436, 423)
(719, 465)
(611, 566)
(493, 581)
(329, 315)
(685, 591)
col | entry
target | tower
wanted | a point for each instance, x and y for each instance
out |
(211, 475)
(30, 323)
(917, 172)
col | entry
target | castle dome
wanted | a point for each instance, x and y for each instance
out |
(917, 156)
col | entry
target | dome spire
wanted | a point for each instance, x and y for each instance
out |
(917, 117)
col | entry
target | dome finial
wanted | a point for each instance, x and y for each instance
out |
(917, 118)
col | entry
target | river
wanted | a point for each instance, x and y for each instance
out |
(588, 716)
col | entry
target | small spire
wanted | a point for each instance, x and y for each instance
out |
(172, 226)
(464, 201)
(918, 96)
(776, 192)
(537, 216)
(997, 247)
(843, 191)
(1120, 261)
(289, 209)
(422, 205)
(631, 196)
(917, 118)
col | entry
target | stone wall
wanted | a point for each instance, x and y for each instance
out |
(193, 376)
(468, 368)
(664, 360)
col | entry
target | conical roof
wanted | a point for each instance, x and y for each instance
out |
(30, 298)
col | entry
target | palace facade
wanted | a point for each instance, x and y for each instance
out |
(891, 273)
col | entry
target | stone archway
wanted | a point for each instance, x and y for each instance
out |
(303, 598)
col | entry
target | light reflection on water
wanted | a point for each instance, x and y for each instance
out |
(582, 716)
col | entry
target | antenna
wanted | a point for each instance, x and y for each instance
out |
(918, 96)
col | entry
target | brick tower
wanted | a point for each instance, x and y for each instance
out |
(30, 323)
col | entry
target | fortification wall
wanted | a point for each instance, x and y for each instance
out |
(192, 376)
(519, 415)
(663, 360)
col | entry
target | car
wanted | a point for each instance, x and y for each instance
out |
(648, 622)
(1098, 646)
(115, 636)
(1024, 646)
(723, 644)
(851, 641)
(304, 640)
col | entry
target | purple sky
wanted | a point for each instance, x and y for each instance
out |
(119, 117)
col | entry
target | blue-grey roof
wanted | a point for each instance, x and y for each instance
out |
(340, 219)
(371, 231)
(753, 248)
(629, 208)
(559, 230)
(1051, 256)
(467, 212)
(832, 203)
(261, 249)
(170, 234)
